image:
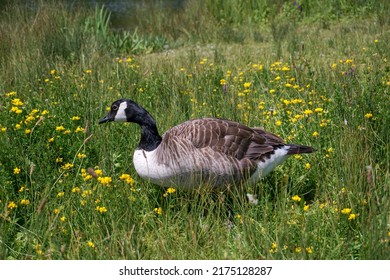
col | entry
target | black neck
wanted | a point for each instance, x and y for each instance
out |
(150, 138)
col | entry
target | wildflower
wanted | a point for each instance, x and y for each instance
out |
(17, 102)
(368, 116)
(90, 244)
(352, 216)
(376, 41)
(247, 85)
(50, 140)
(3, 129)
(318, 110)
(79, 129)
(63, 219)
(272, 91)
(75, 118)
(88, 71)
(27, 131)
(98, 172)
(308, 112)
(17, 126)
(104, 180)
(12, 93)
(169, 191)
(67, 166)
(11, 205)
(298, 156)
(306, 207)
(273, 247)
(315, 134)
(127, 178)
(296, 198)
(52, 72)
(24, 202)
(56, 211)
(346, 211)
(309, 250)
(44, 112)
(298, 249)
(60, 194)
(222, 82)
(81, 155)
(158, 210)
(22, 188)
(101, 209)
(278, 123)
(60, 128)
(76, 190)
(16, 170)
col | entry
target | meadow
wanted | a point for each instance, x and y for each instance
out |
(316, 74)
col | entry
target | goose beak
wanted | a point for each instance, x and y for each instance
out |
(105, 119)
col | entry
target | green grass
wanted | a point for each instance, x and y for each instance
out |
(324, 83)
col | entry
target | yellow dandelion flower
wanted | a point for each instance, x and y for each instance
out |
(368, 115)
(307, 166)
(309, 250)
(56, 211)
(79, 129)
(88, 71)
(306, 207)
(104, 180)
(75, 118)
(158, 210)
(17, 126)
(315, 134)
(60, 128)
(298, 249)
(346, 211)
(67, 166)
(51, 140)
(278, 123)
(52, 72)
(272, 90)
(60, 194)
(247, 85)
(63, 219)
(81, 155)
(318, 110)
(24, 202)
(298, 157)
(16, 170)
(44, 112)
(90, 244)
(99, 172)
(273, 248)
(27, 131)
(296, 198)
(352, 216)
(17, 102)
(222, 82)
(101, 209)
(11, 205)
(76, 190)
(3, 129)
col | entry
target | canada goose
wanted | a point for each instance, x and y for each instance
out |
(216, 151)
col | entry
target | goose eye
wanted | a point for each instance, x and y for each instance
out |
(114, 107)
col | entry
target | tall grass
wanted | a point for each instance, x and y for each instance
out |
(68, 189)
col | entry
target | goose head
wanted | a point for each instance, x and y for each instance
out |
(126, 110)
(123, 110)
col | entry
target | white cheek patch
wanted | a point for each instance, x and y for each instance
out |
(121, 114)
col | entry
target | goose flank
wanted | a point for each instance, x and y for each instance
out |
(215, 151)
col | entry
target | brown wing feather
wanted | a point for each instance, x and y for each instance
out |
(228, 137)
